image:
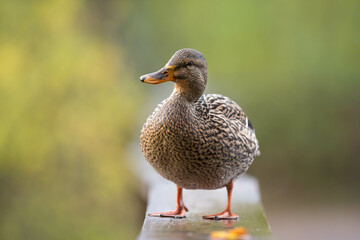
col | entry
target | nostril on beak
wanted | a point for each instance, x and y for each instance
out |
(142, 78)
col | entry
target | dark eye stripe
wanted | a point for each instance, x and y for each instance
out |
(184, 64)
(180, 66)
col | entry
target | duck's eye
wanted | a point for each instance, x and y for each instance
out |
(190, 64)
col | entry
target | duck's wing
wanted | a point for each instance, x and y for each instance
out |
(224, 112)
(218, 105)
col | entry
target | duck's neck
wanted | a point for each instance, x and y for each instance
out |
(189, 92)
(179, 98)
(178, 109)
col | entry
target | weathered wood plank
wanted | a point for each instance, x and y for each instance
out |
(245, 202)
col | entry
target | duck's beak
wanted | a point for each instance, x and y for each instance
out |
(163, 75)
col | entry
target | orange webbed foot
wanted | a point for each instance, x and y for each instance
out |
(225, 215)
(177, 213)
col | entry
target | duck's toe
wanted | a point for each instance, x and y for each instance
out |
(177, 213)
(225, 215)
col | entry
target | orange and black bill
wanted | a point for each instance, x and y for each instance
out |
(163, 75)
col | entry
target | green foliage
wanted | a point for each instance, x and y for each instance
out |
(66, 111)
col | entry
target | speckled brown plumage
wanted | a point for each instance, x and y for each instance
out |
(196, 141)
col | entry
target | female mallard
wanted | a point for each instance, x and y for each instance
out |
(196, 141)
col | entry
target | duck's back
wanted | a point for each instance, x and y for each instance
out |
(228, 118)
(228, 124)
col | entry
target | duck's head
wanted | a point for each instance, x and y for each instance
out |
(187, 69)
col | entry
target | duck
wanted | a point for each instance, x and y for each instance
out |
(194, 140)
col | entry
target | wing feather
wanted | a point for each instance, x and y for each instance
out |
(215, 106)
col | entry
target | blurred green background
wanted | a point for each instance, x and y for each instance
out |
(71, 103)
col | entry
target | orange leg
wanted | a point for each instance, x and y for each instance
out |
(226, 214)
(179, 210)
